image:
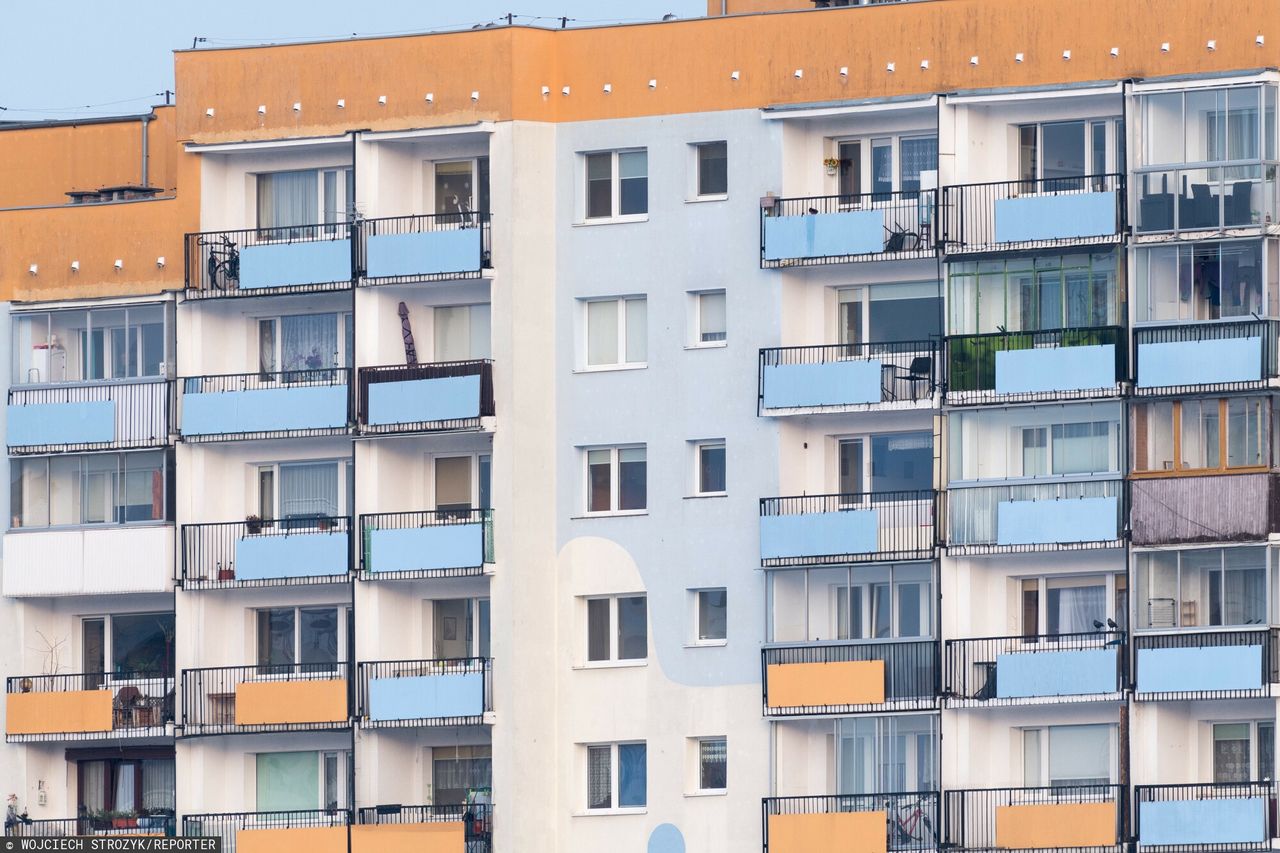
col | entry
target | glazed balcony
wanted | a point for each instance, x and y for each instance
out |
(848, 378)
(1063, 515)
(847, 528)
(840, 822)
(838, 229)
(1205, 816)
(1055, 364)
(1211, 664)
(1226, 355)
(993, 671)
(88, 706)
(426, 544)
(1225, 508)
(269, 261)
(99, 416)
(1082, 818)
(430, 247)
(289, 404)
(266, 552)
(430, 829)
(142, 825)
(312, 831)
(297, 697)
(407, 693)
(850, 678)
(1237, 197)
(1047, 213)
(439, 397)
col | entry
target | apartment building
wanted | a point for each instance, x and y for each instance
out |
(801, 428)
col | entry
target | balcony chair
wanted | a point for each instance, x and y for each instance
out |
(920, 370)
(124, 706)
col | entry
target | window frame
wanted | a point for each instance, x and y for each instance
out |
(132, 329)
(615, 480)
(298, 667)
(1045, 757)
(342, 756)
(865, 169)
(613, 628)
(696, 332)
(345, 326)
(699, 470)
(1224, 439)
(615, 778)
(699, 745)
(622, 338)
(18, 464)
(345, 488)
(1254, 740)
(695, 189)
(615, 214)
(696, 606)
(1114, 584)
(1018, 447)
(343, 179)
(1090, 124)
(1140, 579)
(866, 605)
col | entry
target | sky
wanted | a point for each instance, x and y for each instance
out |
(81, 58)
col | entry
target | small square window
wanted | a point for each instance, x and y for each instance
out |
(617, 629)
(711, 607)
(713, 764)
(712, 326)
(617, 332)
(617, 776)
(713, 169)
(710, 468)
(617, 184)
(617, 479)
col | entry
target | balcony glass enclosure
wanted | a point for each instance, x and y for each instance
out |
(116, 343)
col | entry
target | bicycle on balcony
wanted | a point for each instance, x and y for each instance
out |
(910, 826)
(222, 263)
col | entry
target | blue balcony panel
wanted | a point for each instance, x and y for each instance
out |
(835, 383)
(296, 555)
(1055, 217)
(87, 422)
(1198, 669)
(431, 548)
(427, 696)
(265, 410)
(422, 400)
(1056, 521)
(819, 533)
(423, 253)
(286, 264)
(1074, 672)
(824, 235)
(1224, 820)
(1029, 371)
(1206, 362)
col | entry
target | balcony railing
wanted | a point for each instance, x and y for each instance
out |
(269, 261)
(837, 229)
(1078, 817)
(451, 542)
(287, 404)
(1239, 196)
(476, 821)
(1039, 214)
(1051, 364)
(1205, 664)
(850, 678)
(1021, 670)
(1226, 508)
(443, 692)
(269, 697)
(1186, 358)
(1207, 816)
(99, 826)
(428, 247)
(317, 830)
(1026, 517)
(266, 552)
(88, 706)
(102, 559)
(847, 377)
(907, 821)
(451, 395)
(97, 416)
(847, 528)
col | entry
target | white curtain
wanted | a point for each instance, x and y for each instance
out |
(309, 341)
(287, 199)
(308, 490)
(1073, 610)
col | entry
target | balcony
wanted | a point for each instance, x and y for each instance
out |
(832, 823)
(1226, 508)
(1056, 364)
(266, 552)
(1206, 664)
(994, 671)
(1230, 355)
(1239, 197)
(1035, 517)
(269, 261)
(100, 560)
(1018, 215)
(850, 678)
(838, 229)
(142, 825)
(311, 831)
(429, 829)
(404, 693)
(1085, 818)
(438, 397)
(446, 543)
(292, 404)
(433, 247)
(1213, 815)
(101, 416)
(848, 378)
(89, 706)
(848, 528)
(296, 697)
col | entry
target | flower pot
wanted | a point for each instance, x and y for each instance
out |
(831, 170)
(226, 574)
(124, 823)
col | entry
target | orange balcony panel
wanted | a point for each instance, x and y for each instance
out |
(54, 713)
(442, 837)
(840, 832)
(308, 839)
(282, 702)
(1056, 825)
(794, 685)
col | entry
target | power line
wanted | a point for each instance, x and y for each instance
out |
(82, 107)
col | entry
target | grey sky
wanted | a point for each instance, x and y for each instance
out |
(58, 57)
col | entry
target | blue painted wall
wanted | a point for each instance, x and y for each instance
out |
(1027, 371)
(307, 262)
(417, 400)
(445, 546)
(1202, 668)
(1074, 672)
(89, 422)
(1216, 821)
(425, 253)
(1050, 522)
(265, 410)
(824, 235)
(298, 555)
(834, 383)
(458, 694)
(1055, 217)
(1200, 362)
(819, 533)
(666, 838)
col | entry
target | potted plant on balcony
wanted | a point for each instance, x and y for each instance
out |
(831, 164)
(324, 522)
(253, 523)
(227, 572)
(124, 820)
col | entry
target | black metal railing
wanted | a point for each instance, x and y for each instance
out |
(419, 519)
(1267, 638)
(907, 229)
(368, 376)
(905, 527)
(142, 413)
(1237, 195)
(225, 826)
(234, 383)
(970, 664)
(971, 818)
(973, 515)
(477, 820)
(141, 701)
(424, 224)
(93, 824)
(908, 373)
(1190, 333)
(911, 674)
(969, 213)
(209, 697)
(208, 556)
(971, 363)
(213, 259)
(392, 669)
(912, 819)
(1265, 826)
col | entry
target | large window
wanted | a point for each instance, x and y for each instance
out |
(1244, 752)
(140, 644)
(462, 188)
(288, 201)
(1074, 604)
(105, 488)
(1202, 587)
(305, 342)
(890, 462)
(456, 770)
(1064, 149)
(889, 313)
(1031, 294)
(868, 165)
(617, 628)
(306, 491)
(1061, 756)
(1036, 443)
(1206, 126)
(617, 184)
(83, 346)
(617, 331)
(461, 332)
(617, 776)
(1189, 435)
(298, 635)
(126, 781)
(617, 479)
(300, 781)
(1199, 281)
(459, 628)
(892, 601)
(1061, 449)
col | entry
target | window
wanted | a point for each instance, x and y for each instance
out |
(617, 628)
(616, 479)
(617, 184)
(1062, 449)
(709, 318)
(455, 632)
(1243, 752)
(620, 768)
(1073, 605)
(889, 313)
(1032, 294)
(1057, 151)
(461, 188)
(289, 636)
(992, 445)
(1064, 756)
(709, 477)
(1188, 435)
(130, 780)
(617, 331)
(892, 601)
(306, 491)
(304, 342)
(711, 609)
(1200, 281)
(140, 644)
(1202, 126)
(1201, 587)
(300, 781)
(290, 201)
(461, 332)
(897, 462)
(456, 770)
(713, 169)
(869, 755)
(104, 488)
(713, 764)
(85, 346)
(867, 165)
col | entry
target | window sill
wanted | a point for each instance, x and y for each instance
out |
(700, 199)
(707, 644)
(707, 345)
(611, 368)
(628, 513)
(611, 220)
(608, 812)
(721, 792)
(706, 495)
(612, 664)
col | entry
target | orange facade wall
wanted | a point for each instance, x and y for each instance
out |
(56, 713)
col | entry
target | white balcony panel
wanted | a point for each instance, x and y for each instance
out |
(88, 561)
